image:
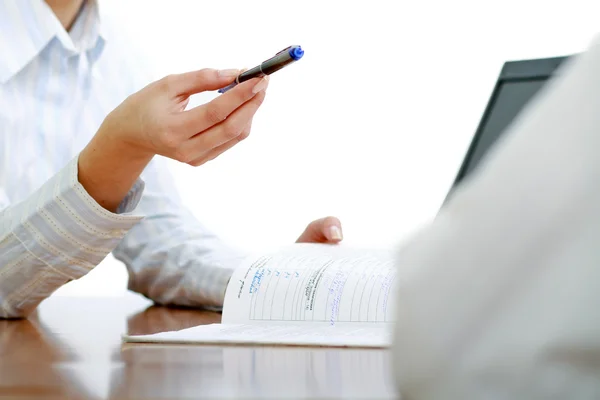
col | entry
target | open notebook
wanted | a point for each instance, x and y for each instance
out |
(308, 295)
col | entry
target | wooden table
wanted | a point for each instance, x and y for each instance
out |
(71, 348)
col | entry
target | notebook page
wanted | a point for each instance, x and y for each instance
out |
(313, 282)
(341, 335)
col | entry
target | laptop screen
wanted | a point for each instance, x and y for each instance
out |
(511, 98)
(518, 82)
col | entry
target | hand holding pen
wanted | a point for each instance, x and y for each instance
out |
(155, 121)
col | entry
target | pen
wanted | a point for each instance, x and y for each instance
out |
(283, 58)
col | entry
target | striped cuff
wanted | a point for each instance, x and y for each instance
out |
(66, 229)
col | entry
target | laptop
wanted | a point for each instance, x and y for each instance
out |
(518, 83)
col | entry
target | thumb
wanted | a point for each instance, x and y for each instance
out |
(324, 230)
(189, 83)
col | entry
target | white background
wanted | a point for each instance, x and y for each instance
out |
(370, 126)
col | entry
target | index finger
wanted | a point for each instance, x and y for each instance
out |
(189, 83)
(324, 230)
(200, 118)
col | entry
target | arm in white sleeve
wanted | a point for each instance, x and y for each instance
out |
(500, 295)
(170, 256)
(56, 235)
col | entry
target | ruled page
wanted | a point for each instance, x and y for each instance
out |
(313, 282)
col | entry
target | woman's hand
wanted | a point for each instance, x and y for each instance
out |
(155, 121)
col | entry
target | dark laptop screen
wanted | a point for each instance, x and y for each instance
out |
(511, 98)
(518, 82)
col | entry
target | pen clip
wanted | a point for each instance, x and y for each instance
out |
(278, 53)
(284, 50)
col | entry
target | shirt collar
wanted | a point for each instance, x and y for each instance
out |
(31, 26)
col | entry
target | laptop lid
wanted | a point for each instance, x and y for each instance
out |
(518, 82)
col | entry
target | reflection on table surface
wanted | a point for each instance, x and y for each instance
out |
(71, 348)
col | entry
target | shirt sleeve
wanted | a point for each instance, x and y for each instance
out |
(56, 235)
(171, 257)
(499, 296)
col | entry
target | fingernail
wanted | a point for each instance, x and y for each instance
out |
(261, 85)
(336, 233)
(228, 73)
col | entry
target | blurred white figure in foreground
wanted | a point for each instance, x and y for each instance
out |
(499, 298)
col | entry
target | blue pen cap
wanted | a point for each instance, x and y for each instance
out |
(296, 53)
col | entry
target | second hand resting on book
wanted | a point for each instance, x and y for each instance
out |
(324, 230)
